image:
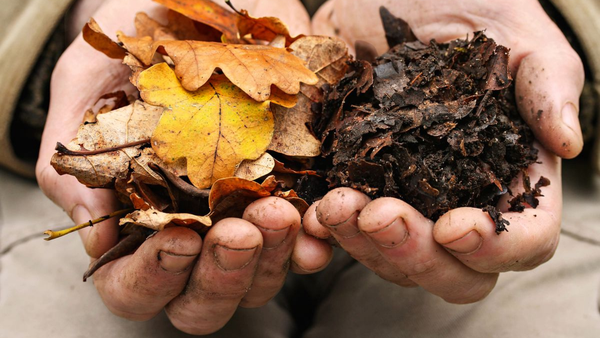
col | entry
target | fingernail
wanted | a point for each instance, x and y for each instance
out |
(175, 263)
(345, 229)
(570, 117)
(230, 259)
(467, 244)
(392, 235)
(273, 238)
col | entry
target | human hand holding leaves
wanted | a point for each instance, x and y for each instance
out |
(178, 248)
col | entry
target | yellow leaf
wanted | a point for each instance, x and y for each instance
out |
(214, 128)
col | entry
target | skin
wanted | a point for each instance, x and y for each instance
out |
(252, 253)
(460, 256)
(446, 258)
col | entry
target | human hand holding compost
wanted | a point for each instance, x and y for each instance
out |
(459, 256)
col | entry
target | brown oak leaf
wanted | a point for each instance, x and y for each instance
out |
(326, 57)
(93, 34)
(129, 124)
(208, 13)
(253, 68)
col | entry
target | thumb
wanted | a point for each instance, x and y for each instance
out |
(71, 94)
(548, 85)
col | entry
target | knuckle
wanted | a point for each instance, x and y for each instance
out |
(424, 267)
(43, 175)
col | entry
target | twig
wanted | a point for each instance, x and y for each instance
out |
(59, 233)
(483, 102)
(415, 79)
(61, 148)
(228, 2)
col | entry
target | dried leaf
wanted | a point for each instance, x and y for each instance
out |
(142, 49)
(319, 52)
(133, 123)
(179, 27)
(300, 204)
(206, 128)
(253, 169)
(184, 196)
(265, 28)
(136, 67)
(119, 100)
(229, 197)
(208, 13)
(292, 136)
(138, 202)
(252, 68)
(145, 25)
(281, 168)
(92, 34)
(157, 220)
(325, 56)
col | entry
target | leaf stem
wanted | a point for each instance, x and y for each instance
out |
(61, 148)
(228, 2)
(59, 233)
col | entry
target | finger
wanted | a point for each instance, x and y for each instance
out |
(404, 238)
(278, 222)
(469, 234)
(548, 85)
(139, 286)
(311, 224)
(310, 254)
(338, 211)
(220, 279)
(549, 80)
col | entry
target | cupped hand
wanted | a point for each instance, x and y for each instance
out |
(459, 256)
(200, 282)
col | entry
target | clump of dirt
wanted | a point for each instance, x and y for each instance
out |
(434, 125)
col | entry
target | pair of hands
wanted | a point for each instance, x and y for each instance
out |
(243, 262)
